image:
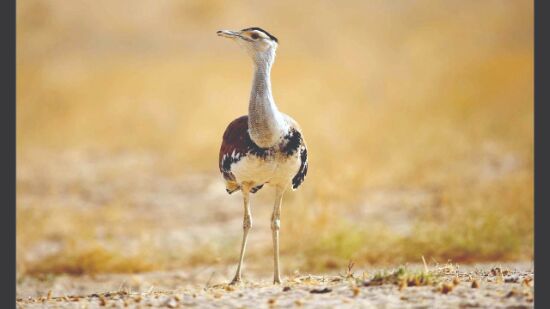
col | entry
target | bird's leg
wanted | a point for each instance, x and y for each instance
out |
(275, 226)
(247, 223)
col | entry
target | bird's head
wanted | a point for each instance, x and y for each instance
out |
(259, 44)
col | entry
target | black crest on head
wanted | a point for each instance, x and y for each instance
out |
(262, 30)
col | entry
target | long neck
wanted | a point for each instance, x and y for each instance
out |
(265, 122)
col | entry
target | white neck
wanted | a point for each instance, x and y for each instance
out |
(265, 122)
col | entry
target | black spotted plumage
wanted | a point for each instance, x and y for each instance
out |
(256, 188)
(302, 172)
(226, 168)
(291, 142)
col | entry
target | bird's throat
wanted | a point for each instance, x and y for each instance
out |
(265, 122)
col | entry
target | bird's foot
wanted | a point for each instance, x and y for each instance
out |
(277, 280)
(236, 280)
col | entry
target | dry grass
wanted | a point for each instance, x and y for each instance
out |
(433, 98)
(403, 276)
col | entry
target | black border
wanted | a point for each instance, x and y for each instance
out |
(8, 172)
(541, 153)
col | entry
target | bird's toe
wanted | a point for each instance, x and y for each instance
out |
(235, 281)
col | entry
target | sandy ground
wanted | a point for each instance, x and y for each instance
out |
(499, 286)
(92, 182)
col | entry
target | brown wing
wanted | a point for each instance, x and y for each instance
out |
(237, 144)
(233, 146)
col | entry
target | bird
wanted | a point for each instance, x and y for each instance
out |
(264, 147)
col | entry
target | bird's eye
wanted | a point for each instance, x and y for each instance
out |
(254, 35)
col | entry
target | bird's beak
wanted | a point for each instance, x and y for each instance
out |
(229, 34)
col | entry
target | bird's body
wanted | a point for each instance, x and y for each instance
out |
(242, 161)
(265, 147)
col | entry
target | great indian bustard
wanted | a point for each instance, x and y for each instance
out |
(263, 147)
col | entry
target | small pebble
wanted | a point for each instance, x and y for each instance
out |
(321, 291)
(171, 303)
(102, 301)
(456, 281)
(446, 288)
(511, 279)
(527, 281)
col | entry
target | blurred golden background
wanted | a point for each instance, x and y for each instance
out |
(418, 117)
